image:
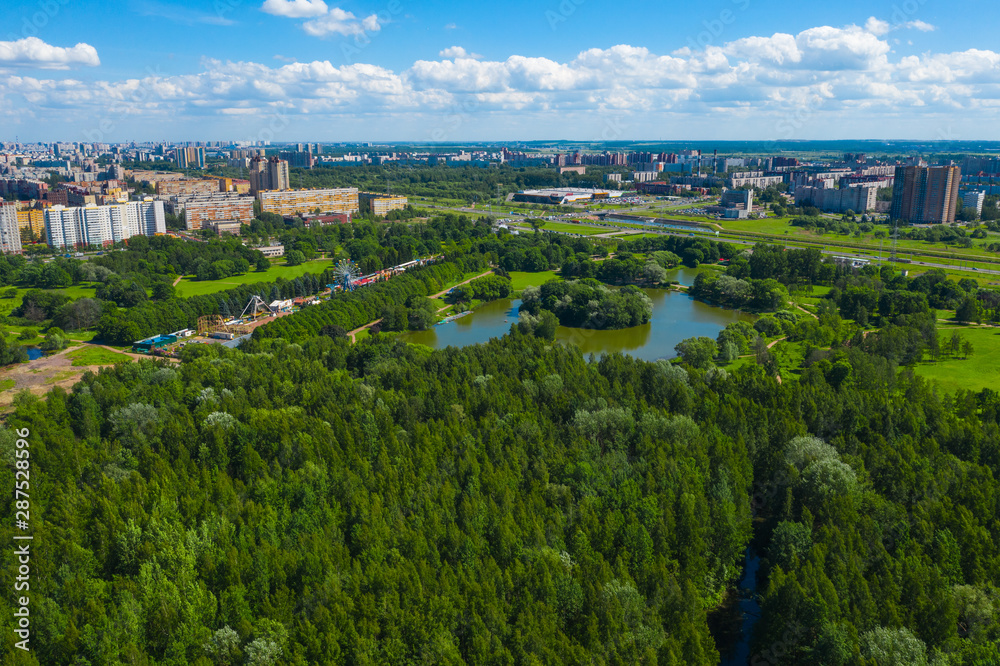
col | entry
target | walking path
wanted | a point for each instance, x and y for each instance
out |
(442, 293)
(178, 280)
(351, 334)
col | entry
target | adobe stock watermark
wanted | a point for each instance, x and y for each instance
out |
(562, 12)
(362, 40)
(274, 124)
(37, 20)
(129, 105)
(459, 114)
(715, 27)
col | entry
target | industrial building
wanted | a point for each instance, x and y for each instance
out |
(568, 195)
(156, 342)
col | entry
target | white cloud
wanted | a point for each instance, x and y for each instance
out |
(295, 8)
(876, 26)
(451, 26)
(458, 52)
(920, 25)
(340, 22)
(33, 52)
(795, 86)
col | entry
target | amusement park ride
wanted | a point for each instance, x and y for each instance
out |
(348, 276)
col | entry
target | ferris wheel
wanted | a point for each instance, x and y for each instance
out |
(347, 275)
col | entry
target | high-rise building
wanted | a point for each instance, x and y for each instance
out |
(925, 194)
(974, 200)
(268, 174)
(10, 233)
(103, 225)
(191, 158)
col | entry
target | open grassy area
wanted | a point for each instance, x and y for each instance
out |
(7, 384)
(979, 371)
(188, 287)
(95, 356)
(519, 279)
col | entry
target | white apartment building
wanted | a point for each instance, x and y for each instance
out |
(974, 200)
(103, 225)
(10, 232)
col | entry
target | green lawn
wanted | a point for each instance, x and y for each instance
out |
(95, 356)
(979, 371)
(188, 287)
(7, 384)
(519, 279)
(82, 290)
(582, 228)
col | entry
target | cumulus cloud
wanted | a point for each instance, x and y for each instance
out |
(876, 26)
(340, 22)
(33, 52)
(295, 8)
(920, 25)
(785, 83)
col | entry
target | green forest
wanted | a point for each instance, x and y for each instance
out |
(303, 500)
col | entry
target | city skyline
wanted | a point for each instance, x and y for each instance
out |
(294, 70)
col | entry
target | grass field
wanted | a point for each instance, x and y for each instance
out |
(979, 371)
(7, 384)
(188, 287)
(95, 356)
(519, 279)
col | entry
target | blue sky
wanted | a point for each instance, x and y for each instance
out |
(291, 70)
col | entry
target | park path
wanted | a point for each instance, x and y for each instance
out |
(771, 344)
(811, 314)
(442, 293)
(351, 334)
(178, 280)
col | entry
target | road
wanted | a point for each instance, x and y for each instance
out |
(844, 252)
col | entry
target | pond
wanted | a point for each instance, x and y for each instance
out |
(676, 317)
(34, 352)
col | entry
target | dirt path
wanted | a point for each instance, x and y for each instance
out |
(771, 344)
(178, 280)
(814, 316)
(351, 334)
(442, 293)
(42, 374)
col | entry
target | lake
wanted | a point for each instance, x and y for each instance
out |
(676, 317)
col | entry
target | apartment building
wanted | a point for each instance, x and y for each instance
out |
(103, 225)
(925, 194)
(190, 158)
(217, 207)
(380, 204)
(10, 233)
(296, 202)
(858, 199)
(268, 174)
(186, 187)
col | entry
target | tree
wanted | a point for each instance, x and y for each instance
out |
(263, 265)
(654, 273)
(163, 291)
(294, 258)
(967, 349)
(968, 311)
(422, 315)
(697, 352)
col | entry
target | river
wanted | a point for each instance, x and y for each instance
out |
(676, 317)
